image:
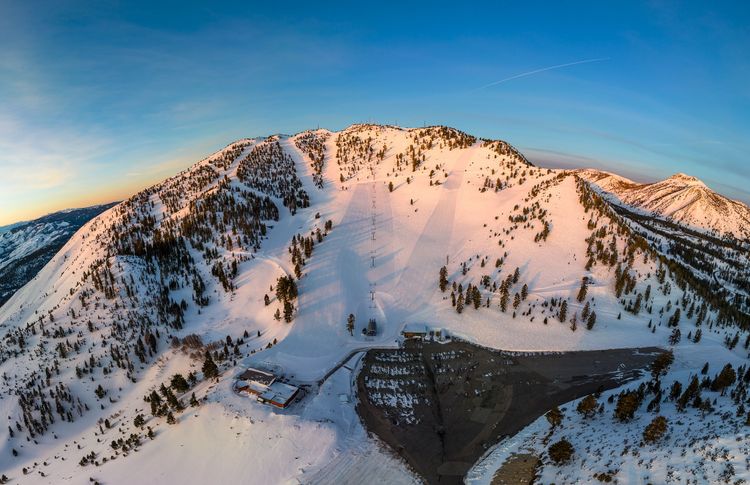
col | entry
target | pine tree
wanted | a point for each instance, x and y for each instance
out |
(443, 282)
(563, 311)
(591, 321)
(554, 416)
(504, 301)
(460, 303)
(584, 289)
(637, 304)
(524, 291)
(674, 338)
(288, 311)
(210, 370)
(674, 320)
(179, 383)
(560, 452)
(655, 430)
(585, 312)
(155, 401)
(661, 364)
(587, 406)
(726, 378)
(627, 404)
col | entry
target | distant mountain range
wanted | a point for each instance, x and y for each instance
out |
(25, 247)
(680, 198)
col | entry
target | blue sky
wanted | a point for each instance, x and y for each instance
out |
(98, 100)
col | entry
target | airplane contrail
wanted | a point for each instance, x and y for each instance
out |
(536, 71)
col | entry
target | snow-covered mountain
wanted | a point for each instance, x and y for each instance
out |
(25, 247)
(679, 198)
(257, 256)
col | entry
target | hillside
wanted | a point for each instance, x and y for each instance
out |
(256, 256)
(697, 229)
(679, 198)
(25, 247)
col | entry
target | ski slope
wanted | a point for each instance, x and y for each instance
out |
(455, 201)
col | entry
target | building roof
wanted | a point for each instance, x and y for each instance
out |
(415, 328)
(259, 376)
(279, 392)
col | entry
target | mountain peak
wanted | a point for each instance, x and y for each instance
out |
(686, 179)
(682, 198)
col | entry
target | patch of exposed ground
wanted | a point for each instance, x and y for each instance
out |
(440, 406)
(518, 469)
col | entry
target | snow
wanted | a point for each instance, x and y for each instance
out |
(680, 198)
(381, 261)
(695, 449)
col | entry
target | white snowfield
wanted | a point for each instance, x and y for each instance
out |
(381, 260)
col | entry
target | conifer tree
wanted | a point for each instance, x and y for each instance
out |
(585, 312)
(655, 430)
(587, 406)
(210, 370)
(674, 320)
(560, 452)
(583, 290)
(563, 311)
(674, 338)
(443, 282)
(460, 303)
(726, 378)
(554, 416)
(179, 383)
(591, 321)
(288, 311)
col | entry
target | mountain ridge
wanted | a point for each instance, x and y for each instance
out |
(25, 247)
(365, 222)
(680, 198)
